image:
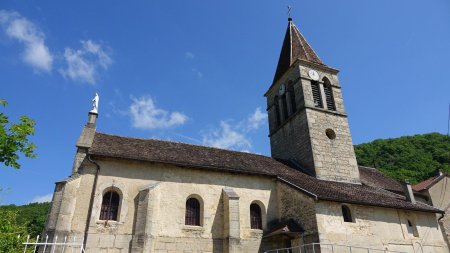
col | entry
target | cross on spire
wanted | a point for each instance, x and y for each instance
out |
(289, 12)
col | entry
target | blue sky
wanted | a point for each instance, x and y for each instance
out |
(196, 71)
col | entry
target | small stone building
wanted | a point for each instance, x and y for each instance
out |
(143, 195)
(435, 191)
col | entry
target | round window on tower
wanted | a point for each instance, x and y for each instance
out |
(330, 134)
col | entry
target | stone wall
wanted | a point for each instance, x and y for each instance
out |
(439, 195)
(302, 136)
(152, 208)
(379, 228)
(299, 207)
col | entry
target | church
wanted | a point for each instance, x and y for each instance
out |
(130, 195)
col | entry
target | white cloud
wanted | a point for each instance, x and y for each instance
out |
(257, 119)
(189, 55)
(36, 53)
(41, 199)
(197, 73)
(145, 115)
(84, 64)
(226, 137)
(231, 136)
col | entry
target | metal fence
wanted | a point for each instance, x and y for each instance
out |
(54, 245)
(329, 248)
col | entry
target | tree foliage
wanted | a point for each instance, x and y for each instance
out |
(11, 234)
(14, 139)
(414, 158)
(31, 216)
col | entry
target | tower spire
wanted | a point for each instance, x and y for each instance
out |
(294, 47)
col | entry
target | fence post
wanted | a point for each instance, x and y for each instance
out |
(81, 245)
(35, 246)
(55, 240)
(74, 242)
(26, 245)
(64, 247)
(45, 245)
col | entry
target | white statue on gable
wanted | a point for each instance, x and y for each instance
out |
(95, 103)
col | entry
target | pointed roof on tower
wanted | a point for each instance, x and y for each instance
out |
(294, 47)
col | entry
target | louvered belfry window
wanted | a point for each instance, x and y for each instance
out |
(192, 216)
(292, 97)
(255, 216)
(277, 111)
(110, 206)
(317, 97)
(329, 97)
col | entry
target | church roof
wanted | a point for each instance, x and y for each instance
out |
(373, 177)
(426, 184)
(294, 47)
(200, 157)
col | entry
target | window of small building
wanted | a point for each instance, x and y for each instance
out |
(317, 97)
(290, 89)
(255, 216)
(110, 206)
(328, 90)
(347, 214)
(192, 215)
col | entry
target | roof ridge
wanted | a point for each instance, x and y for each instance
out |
(189, 144)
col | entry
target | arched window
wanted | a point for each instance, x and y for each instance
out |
(346, 214)
(277, 111)
(317, 96)
(110, 206)
(291, 92)
(255, 216)
(192, 216)
(328, 90)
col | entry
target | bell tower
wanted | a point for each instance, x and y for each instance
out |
(307, 120)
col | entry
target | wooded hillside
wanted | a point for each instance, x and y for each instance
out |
(414, 158)
(30, 217)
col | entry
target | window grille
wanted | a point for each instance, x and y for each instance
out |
(329, 97)
(317, 97)
(255, 216)
(192, 216)
(347, 214)
(110, 206)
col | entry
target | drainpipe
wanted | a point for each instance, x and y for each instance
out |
(91, 201)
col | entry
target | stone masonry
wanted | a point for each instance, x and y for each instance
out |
(302, 135)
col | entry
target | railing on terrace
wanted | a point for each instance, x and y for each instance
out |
(55, 245)
(330, 248)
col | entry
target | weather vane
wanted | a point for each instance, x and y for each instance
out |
(289, 11)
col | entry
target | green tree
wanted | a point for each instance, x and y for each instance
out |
(14, 139)
(11, 235)
(414, 158)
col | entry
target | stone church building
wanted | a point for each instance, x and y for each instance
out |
(142, 195)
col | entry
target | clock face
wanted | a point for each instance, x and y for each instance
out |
(281, 89)
(313, 74)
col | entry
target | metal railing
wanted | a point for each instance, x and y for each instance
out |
(65, 245)
(330, 248)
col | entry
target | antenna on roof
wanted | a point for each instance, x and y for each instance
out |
(289, 12)
(448, 121)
